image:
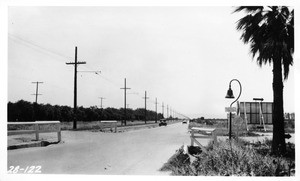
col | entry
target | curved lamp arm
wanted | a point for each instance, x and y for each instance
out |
(240, 90)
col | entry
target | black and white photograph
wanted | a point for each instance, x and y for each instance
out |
(164, 90)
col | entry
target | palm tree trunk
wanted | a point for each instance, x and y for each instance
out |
(278, 143)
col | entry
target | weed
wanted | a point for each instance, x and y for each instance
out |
(179, 163)
(231, 158)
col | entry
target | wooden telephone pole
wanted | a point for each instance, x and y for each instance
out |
(145, 106)
(167, 111)
(101, 101)
(35, 110)
(163, 108)
(37, 90)
(125, 88)
(156, 110)
(76, 63)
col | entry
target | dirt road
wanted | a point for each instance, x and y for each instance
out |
(140, 152)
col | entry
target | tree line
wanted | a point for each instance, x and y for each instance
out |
(22, 111)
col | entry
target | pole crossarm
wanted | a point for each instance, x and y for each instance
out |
(75, 63)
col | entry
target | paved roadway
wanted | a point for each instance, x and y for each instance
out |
(140, 152)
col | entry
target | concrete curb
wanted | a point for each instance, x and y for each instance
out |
(30, 144)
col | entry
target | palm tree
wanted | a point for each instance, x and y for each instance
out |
(270, 33)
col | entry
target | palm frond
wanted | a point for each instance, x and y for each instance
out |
(248, 9)
(292, 18)
(250, 24)
(270, 33)
(285, 12)
(290, 39)
(287, 60)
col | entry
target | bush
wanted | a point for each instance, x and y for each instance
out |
(228, 158)
(179, 164)
(232, 159)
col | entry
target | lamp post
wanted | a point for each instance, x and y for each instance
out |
(230, 96)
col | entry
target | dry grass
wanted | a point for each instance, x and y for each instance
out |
(229, 158)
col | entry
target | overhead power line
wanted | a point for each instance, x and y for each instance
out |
(91, 71)
(36, 47)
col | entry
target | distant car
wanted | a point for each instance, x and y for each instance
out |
(184, 122)
(162, 122)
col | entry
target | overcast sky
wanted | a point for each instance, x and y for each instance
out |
(183, 56)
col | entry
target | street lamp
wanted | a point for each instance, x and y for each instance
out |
(230, 95)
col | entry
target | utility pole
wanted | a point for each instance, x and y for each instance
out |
(171, 113)
(174, 114)
(101, 107)
(162, 106)
(37, 90)
(75, 87)
(167, 111)
(156, 110)
(125, 88)
(34, 117)
(145, 106)
(101, 101)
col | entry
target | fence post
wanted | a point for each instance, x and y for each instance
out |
(37, 131)
(214, 134)
(192, 137)
(59, 132)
